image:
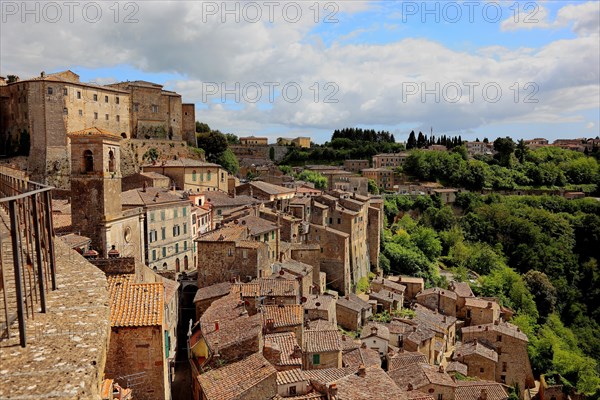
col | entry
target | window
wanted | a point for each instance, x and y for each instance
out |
(95, 97)
(118, 117)
(176, 230)
(79, 94)
(95, 115)
(292, 390)
(440, 396)
(503, 378)
(175, 213)
(316, 359)
(65, 111)
(184, 211)
(106, 99)
(184, 245)
(154, 108)
(117, 99)
(106, 117)
(230, 252)
(162, 215)
(245, 254)
(153, 236)
(163, 233)
(151, 217)
(208, 176)
(111, 161)
(504, 366)
(184, 229)
(164, 252)
(88, 161)
(330, 220)
(176, 247)
(136, 107)
(222, 177)
(81, 113)
(154, 255)
(65, 91)
(266, 237)
(194, 176)
(50, 90)
(201, 176)
(273, 235)
(481, 369)
(499, 338)
(339, 221)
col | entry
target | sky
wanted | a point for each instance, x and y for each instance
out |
(305, 68)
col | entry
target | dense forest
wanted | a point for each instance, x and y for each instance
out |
(537, 254)
(357, 144)
(514, 166)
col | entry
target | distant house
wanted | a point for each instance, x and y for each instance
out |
(376, 337)
(352, 312)
(321, 349)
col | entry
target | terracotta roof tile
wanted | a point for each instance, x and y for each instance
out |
(390, 285)
(375, 329)
(233, 380)
(269, 287)
(418, 395)
(135, 304)
(328, 375)
(419, 375)
(459, 367)
(352, 302)
(286, 342)
(438, 291)
(472, 390)
(181, 162)
(94, 131)
(462, 289)
(320, 325)
(270, 188)
(321, 302)
(290, 376)
(361, 356)
(321, 341)
(504, 328)
(257, 225)
(283, 315)
(472, 348)
(406, 358)
(375, 385)
(210, 292)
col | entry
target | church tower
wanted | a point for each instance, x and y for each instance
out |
(95, 183)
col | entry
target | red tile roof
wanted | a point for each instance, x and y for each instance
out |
(321, 341)
(234, 380)
(135, 304)
(283, 315)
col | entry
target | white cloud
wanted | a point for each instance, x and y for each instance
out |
(584, 18)
(371, 77)
(590, 125)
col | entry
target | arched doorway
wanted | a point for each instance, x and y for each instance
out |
(88, 161)
(177, 266)
(111, 161)
(165, 265)
(185, 263)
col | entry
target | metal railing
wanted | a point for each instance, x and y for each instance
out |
(27, 259)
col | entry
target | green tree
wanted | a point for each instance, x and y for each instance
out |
(544, 293)
(231, 138)
(373, 188)
(202, 127)
(214, 143)
(504, 147)
(272, 153)
(229, 161)
(318, 179)
(411, 143)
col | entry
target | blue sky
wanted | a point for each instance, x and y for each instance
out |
(373, 54)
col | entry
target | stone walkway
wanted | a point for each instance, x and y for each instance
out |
(66, 347)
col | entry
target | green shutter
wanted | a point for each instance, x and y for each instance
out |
(316, 359)
(167, 344)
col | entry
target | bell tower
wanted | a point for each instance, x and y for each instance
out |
(95, 183)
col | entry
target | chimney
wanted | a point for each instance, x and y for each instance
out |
(489, 304)
(475, 341)
(43, 74)
(144, 186)
(373, 330)
(297, 353)
(441, 369)
(496, 322)
(483, 395)
(333, 390)
(270, 324)
(362, 371)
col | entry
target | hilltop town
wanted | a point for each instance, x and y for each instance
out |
(137, 269)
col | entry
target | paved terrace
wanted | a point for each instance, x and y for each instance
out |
(66, 347)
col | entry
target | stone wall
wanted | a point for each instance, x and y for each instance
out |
(334, 256)
(133, 150)
(115, 266)
(139, 350)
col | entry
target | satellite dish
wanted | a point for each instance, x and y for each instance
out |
(317, 304)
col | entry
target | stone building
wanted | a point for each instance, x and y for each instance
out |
(168, 239)
(355, 165)
(386, 301)
(413, 286)
(389, 160)
(320, 307)
(254, 141)
(228, 253)
(321, 350)
(188, 123)
(299, 271)
(376, 337)
(381, 283)
(155, 113)
(206, 295)
(292, 383)
(252, 378)
(463, 291)
(138, 339)
(267, 192)
(383, 177)
(480, 311)
(96, 190)
(268, 291)
(480, 359)
(192, 175)
(441, 300)
(352, 312)
(41, 111)
(45, 109)
(425, 378)
(510, 343)
(145, 179)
